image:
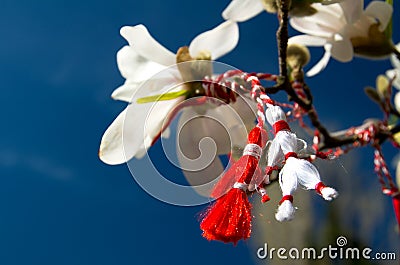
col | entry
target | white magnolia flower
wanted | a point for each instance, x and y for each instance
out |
(345, 29)
(144, 56)
(242, 10)
(160, 96)
(396, 71)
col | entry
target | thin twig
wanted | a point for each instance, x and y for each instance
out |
(282, 36)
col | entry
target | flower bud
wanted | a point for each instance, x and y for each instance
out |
(382, 86)
(270, 6)
(297, 55)
(372, 94)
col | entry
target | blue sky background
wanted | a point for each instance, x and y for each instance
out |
(59, 204)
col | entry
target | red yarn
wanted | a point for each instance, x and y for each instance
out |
(396, 206)
(245, 168)
(265, 198)
(270, 169)
(319, 186)
(229, 218)
(290, 154)
(286, 198)
(280, 126)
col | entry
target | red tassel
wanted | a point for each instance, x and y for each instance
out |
(229, 218)
(396, 206)
(246, 165)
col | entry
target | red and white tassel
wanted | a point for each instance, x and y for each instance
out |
(296, 171)
(248, 161)
(229, 218)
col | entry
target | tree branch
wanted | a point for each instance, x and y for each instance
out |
(283, 83)
(282, 36)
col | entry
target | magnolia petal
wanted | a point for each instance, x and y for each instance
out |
(381, 11)
(395, 61)
(126, 91)
(158, 118)
(112, 150)
(352, 10)
(128, 136)
(135, 67)
(329, 17)
(233, 125)
(311, 27)
(218, 41)
(242, 10)
(396, 82)
(131, 91)
(358, 29)
(246, 108)
(146, 46)
(199, 161)
(342, 50)
(325, 22)
(135, 129)
(394, 73)
(223, 127)
(397, 101)
(199, 127)
(307, 40)
(322, 63)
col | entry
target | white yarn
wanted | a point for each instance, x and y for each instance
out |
(239, 185)
(288, 181)
(306, 173)
(329, 193)
(285, 211)
(295, 171)
(252, 150)
(274, 114)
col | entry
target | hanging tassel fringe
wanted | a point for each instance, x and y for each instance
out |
(244, 166)
(396, 207)
(229, 218)
(395, 194)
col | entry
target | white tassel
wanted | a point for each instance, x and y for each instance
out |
(295, 171)
(288, 181)
(329, 193)
(285, 211)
